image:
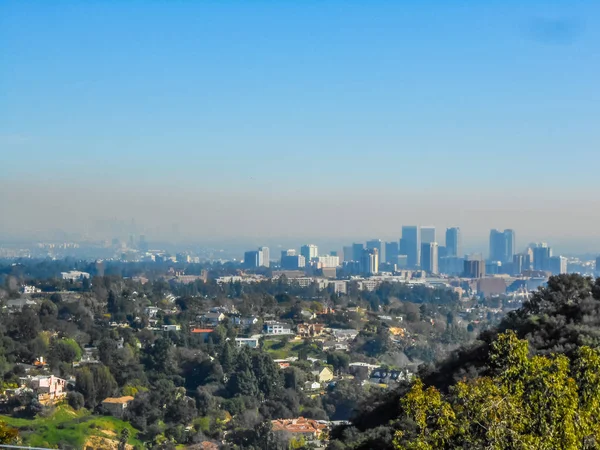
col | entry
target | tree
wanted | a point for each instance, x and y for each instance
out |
(123, 438)
(8, 435)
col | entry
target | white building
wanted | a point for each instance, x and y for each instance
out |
(272, 327)
(328, 261)
(74, 275)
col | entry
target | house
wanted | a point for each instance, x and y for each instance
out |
(343, 335)
(309, 428)
(213, 318)
(203, 333)
(47, 388)
(171, 327)
(27, 289)
(252, 342)
(323, 375)
(272, 327)
(244, 321)
(74, 275)
(116, 406)
(282, 363)
(18, 303)
(312, 386)
(310, 329)
(151, 312)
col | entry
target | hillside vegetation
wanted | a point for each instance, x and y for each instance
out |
(531, 383)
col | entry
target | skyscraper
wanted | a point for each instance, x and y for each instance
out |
(309, 252)
(502, 245)
(392, 250)
(429, 257)
(557, 265)
(409, 245)
(251, 259)
(541, 257)
(348, 256)
(428, 235)
(376, 244)
(453, 242)
(265, 260)
(357, 251)
(369, 261)
(474, 268)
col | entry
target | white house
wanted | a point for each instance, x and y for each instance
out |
(244, 321)
(272, 327)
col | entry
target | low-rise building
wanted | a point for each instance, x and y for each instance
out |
(48, 389)
(272, 327)
(323, 375)
(252, 342)
(116, 405)
(309, 428)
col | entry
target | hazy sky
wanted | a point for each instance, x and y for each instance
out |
(317, 119)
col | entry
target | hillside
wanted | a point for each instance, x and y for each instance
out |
(66, 429)
(559, 320)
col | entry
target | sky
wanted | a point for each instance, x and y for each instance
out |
(214, 120)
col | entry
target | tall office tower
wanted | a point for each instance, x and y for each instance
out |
(309, 252)
(266, 256)
(251, 259)
(541, 257)
(377, 244)
(290, 252)
(519, 264)
(557, 265)
(402, 262)
(427, 235)
(502, 245)
(429, 257)
(328, 261)
(347, 253)
(357, 251)
(333, 253)
(292, 262)
(598, 265)
(392, 250)
(369, 261)
(409, 245)
(453, 242)
(474, 268)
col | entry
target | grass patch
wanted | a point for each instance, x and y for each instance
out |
(68, 427)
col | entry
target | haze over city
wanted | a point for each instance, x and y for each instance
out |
(208, 122)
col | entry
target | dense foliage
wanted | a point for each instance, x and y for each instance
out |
(530, 383)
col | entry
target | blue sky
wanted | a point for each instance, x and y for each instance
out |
(407, 98)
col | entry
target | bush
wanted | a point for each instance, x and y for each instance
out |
(75, 400)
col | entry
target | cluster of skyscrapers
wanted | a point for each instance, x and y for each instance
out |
(419, 249)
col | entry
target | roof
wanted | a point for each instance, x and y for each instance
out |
(299, 425)
(202, 330)
(118, 400)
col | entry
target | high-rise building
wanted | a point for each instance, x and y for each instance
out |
(429, 257)
(520, 263)
(541, 257)
(428, 235)
(369, 262)
(598, 265)
(328, 261)
(292, 262)
(502, 245)
(309, 252)
(357, 251)
(402, 262)
(453, 242)
(377, 244)
(265, 258)
(557, 265)
(392, 250)
(251, 259)
(348, 256)
(451, 265)
(409, 245)
(474, 268)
